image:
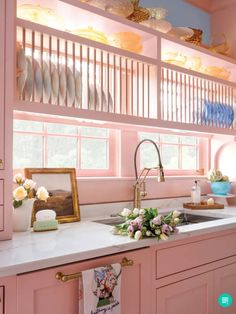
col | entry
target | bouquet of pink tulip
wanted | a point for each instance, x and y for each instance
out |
(23, 191)
(146, 222)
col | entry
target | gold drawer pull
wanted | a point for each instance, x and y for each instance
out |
(62, 277)
(1, 162)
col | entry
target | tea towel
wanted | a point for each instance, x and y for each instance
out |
(100, 289)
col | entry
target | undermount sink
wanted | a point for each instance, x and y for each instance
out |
(185, 219)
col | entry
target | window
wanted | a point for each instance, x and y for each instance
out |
(180, 154)
(48, 144)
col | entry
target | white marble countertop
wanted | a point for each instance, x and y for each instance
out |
(72, 242)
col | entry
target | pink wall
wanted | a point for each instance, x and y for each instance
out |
(223, 21)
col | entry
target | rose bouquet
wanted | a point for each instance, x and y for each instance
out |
(215, 175)
(146, 222)
(26, 189)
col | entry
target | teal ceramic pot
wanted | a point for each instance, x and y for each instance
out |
(220, 188)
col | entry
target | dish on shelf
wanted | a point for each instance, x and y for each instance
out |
(90, 33)
(174, 58)
(38, 81)
(46, 83)
(217, 72)
(70, 95)
(193, 63)
(126, 40)
(157, 21)
(139, 14)
(118, 7)
(78, 89)
(217, 114)
(62, 86)
(54, 84)
(181, 32)
(28, 88)
(107, 101)
(21, 68)
(37, 14)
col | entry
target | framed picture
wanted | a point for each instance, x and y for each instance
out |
(63, 195)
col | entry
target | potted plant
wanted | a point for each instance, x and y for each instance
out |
(220, 184)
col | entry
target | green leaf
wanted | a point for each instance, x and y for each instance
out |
(17, 204)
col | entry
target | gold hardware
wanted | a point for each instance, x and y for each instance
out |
(1, 162)
(64, 278)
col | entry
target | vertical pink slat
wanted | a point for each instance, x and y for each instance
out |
(198, 90)
(96, 101)
(185, 98)
(132, 88)
(114, 84)
(73, 69)
(120, 82)
(143, 107)
(66, 71)
(181, 97)
(88, 87)
(81, 73)
(137, 65)
(162, 93)
(58, 66)
(50, 63)
(126, 86)
(172, 94)
(108, 81)
(148, 90)
(189, 98)
(33, 65)
(23, 45)
(41, 62)
(168, 95)
(102, 80)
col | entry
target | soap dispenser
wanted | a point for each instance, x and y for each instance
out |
(196, 193)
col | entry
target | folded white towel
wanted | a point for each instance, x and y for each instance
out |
(101, 290)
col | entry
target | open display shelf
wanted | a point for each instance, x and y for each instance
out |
(165, 82)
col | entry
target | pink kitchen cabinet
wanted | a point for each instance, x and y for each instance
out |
(8, 295)
(41, 293)
(1, 300)
(193, 295)
(2, 73)
(225, 282)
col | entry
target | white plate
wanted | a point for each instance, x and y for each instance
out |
(78, 89)
(70, 87)
(46, 83)
(28, 88)
(21, 70)
(94, 101)
(54, 84)
(38, 81)
(62, 86)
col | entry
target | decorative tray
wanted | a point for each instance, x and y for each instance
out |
(203, 206)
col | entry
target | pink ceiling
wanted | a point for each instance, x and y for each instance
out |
(211, 5)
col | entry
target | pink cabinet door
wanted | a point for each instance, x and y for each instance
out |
(225, 282)
(41, 293)
(2, 66)
(193, 295)
(1, 300)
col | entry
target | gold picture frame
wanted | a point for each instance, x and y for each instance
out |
(63, 200)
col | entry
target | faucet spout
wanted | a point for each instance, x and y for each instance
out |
(140, 184)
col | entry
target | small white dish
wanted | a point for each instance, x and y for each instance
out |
(38, 81)
(78, 89)
(28, 88)
(62, 86)
(21, 70)
(54, 84)
(46, 83)
(70, 87)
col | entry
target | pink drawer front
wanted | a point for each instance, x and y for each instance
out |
(1, 300)
(1, 218)
(1, 192)
(182, 257)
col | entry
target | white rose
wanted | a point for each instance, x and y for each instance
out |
(148, 233)
(163, 236)
(18, 178)
(29, 184)
(135, 211)
(19, 194)
(138, 235)
(176, 221)
(126, 212)
(42, 193)
(141, 211)
(176, 214)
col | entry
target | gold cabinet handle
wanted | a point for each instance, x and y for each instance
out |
(64, 278)
(1, 162)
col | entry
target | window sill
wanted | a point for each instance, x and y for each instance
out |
(167, 178)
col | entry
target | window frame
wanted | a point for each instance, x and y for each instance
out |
(111, 140)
